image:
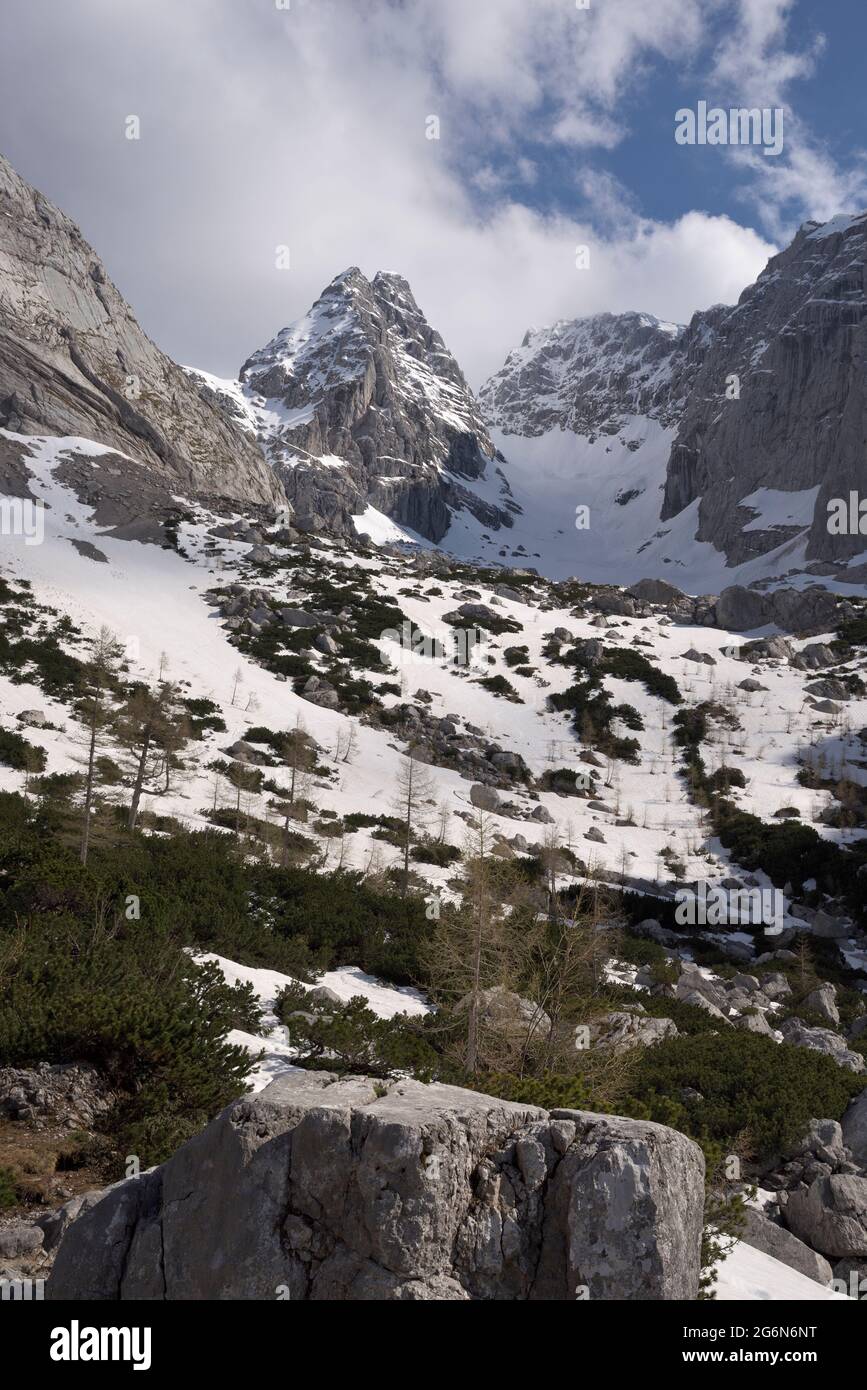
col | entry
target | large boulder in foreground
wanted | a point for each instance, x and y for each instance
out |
(324, 1187)
(831, 1215)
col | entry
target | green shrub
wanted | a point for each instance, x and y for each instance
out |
(19, 753)
(352, 1038)
(750, 1086)
(434, 853)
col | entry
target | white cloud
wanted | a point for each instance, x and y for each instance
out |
(307, 127)
(755, 66)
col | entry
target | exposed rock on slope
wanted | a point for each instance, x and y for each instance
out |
(322, 1189)
(361, 404)
(74, 361)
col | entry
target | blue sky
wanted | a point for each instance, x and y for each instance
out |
(263, 127)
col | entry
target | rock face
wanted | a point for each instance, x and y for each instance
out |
(361, 404)
(321, 1189)
(74, 361)
(795, 341)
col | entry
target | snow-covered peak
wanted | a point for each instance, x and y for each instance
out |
(837, 225)
(360, 404)
(585, 375)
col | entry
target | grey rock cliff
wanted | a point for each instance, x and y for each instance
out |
(74, 361)
(320, 1188)
(796, 341)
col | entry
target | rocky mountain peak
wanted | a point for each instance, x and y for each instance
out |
(360, 404)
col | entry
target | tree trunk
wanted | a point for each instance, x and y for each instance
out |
(88, 794)
(139, 779)
(407, 828)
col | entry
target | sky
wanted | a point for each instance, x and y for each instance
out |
(281, 141)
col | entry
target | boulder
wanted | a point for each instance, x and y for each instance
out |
(693, 981)
(741, 610)
(323, 997)
(776, 986)
(833, 928)
(485, 798)
(814, 656)
(831, 1215)
(796, 1032)
(503, 1012)
(854, 1126)
(613, 603)
(655, 931)
(621, 1030)
(338, 1188)
(54, 1224)
(823, 1001)
(803, 610)
(19, 1239)
(700, 1002)
(33, 718)
(656, 591)
(754, 1023)
(765, 1235)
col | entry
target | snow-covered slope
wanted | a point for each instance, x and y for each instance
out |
(160, 601)
(196, 605)
(748, 1275)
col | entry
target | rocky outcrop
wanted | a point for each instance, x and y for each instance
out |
(74, 361)
(796, 1032)
(625, 1029)
(338, 1188)
(70, 1095)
